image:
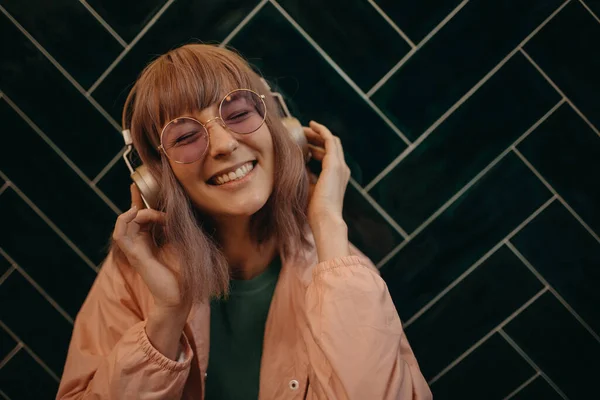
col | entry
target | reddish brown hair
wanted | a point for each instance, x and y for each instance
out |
(191, 78)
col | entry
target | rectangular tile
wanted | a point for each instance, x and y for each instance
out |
(463, 233)
(53, 265)
(503, 109)
(126, 18)
(566, 49)
(353, 34)
(318, 92)
(115, 184)
(565, 150)
(208, 21)
(417, 18)
(567, 256)
(57, 190)
(491, 371)
(367, 229)
(39, 325)
(538, 389)
(7, 343)
(72, 35)
(53, 104)
(463, 52)
(23, 378)
(559, 345)
(476, 306)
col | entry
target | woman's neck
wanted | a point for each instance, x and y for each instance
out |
(247, 259)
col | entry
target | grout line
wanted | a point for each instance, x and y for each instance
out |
(560, 198)
(377, 207)
(238, 28)
(590, 11)
(4, 395)
(6, 274)
(522, 386)
(340, 72)
(392, 23)
(129, 47)
(481, 260)
(530, 362)
(400, 63)
(29, 351)
(55, 228)
(104, 23)
(552, 290)
(11, 354)
(464, 98)
(63, 71)
(472, 182)
(4, 187)
(62, 155)
(587, 121)
(487, 336)
(108, 166)
(36, 285)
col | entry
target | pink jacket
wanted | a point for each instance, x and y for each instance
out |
(332, 333)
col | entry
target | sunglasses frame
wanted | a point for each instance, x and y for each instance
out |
(204, 125)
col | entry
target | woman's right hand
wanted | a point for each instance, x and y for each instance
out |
(158, 269)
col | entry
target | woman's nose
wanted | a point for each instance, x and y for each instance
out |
(221, 140)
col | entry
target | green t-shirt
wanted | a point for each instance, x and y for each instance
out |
(237, 327)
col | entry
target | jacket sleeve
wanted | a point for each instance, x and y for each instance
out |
(110, 356)
(358, 349)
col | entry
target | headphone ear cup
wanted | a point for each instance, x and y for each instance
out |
(147, 185)
(296, 131)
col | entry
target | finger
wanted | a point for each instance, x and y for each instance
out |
(147, 216)
(313, 137)
(144, 221)
(340, 149)
(329, 141)
(123, 220)
(318, 153)
(136, 196)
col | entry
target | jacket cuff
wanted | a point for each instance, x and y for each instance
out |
(160, 359)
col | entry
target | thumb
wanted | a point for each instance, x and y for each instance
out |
(136, 197)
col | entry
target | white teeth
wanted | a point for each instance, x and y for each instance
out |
(237, 174)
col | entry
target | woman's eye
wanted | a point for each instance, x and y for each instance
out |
(186, 138)
(238, 115)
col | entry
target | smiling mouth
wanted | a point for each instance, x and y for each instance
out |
(233, 176)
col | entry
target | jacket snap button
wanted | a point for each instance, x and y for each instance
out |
(294, 384)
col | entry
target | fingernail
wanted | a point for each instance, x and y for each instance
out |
(133, 208)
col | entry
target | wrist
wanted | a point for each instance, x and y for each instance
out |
(164, 332)
(331, 238)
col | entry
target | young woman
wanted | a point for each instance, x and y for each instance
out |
(238, 285)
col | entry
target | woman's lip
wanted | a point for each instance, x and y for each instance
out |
(235, 183)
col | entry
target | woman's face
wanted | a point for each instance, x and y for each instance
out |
(249, 155)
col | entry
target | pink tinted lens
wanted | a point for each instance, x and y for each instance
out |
(184, 140)
(243, 111)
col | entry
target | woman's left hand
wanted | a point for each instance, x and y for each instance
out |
(326, 202)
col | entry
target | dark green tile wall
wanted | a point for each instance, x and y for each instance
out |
(475, 166)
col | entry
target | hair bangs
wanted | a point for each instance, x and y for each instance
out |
(186, 80)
